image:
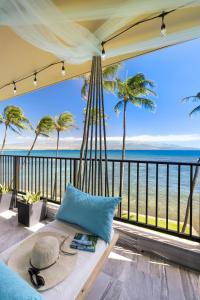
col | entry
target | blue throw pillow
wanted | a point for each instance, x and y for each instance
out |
(94, 213)
(13, 287)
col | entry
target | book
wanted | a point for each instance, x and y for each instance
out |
(84, 242)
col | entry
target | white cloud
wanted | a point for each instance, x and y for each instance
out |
(158, 138)
(137, 138)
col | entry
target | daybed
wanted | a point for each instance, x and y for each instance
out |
(88, 265)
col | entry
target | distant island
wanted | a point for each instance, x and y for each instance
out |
(112, 145)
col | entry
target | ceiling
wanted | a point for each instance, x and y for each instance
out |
(19, 57)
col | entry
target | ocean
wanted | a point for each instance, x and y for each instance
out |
(162, 155)
(130, 193)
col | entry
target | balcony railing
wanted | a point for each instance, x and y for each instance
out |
(155, 194)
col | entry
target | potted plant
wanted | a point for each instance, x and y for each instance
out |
(6, 198)
(31, 209)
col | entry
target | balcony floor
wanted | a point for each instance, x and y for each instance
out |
(128, 274)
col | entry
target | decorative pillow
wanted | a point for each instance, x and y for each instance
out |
(94, 213)
(13, 287)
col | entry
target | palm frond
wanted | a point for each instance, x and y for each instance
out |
(136, 80)
(195, 111)
(149, 83)
(110, 85)
(122, 89)
(150, 92)
(1, 119)
(143, 102)
(118, 106)
(84, 89)
(44, 135)
(14, 130)
(45, 126)
(111, 71)
(20, 125)
(64, 122)
(191, 98)
(138, 84)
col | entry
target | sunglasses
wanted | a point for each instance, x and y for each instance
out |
(36, 279)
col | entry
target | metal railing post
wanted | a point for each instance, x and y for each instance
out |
(16, 177)
(1, 169)
(75, 172)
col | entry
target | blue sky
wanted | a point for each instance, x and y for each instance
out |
(176, 73)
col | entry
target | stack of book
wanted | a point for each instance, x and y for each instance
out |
(85, 242)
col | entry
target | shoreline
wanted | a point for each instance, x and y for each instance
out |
(115, 149)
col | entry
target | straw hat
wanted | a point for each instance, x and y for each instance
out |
(42, 252)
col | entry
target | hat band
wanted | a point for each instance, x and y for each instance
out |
(42, 269)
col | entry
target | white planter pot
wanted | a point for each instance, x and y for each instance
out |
(6, 201)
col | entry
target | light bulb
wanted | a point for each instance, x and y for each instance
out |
(103, 52)
(35, 80)
(163, 30)
(14, 89)
(63, 72)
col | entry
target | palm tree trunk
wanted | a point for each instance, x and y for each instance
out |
(58, 140)
(124, 132)
(55, 180)
(4, 140)
(194, 181)
(123, 157)
(35, 139)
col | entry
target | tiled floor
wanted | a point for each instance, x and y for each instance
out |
(128, 274)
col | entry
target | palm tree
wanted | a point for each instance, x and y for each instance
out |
(195, 98)
(44, 127)
(63, 123)
(134, 90)
(14, 119)
(109, 81)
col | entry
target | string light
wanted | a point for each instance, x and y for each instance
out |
(14, 88)
(103, 52)
(35, 79)
(163, 30)
(32, 75)
(63, 72)
(163, 26)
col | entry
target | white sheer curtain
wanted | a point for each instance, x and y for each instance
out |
(42, 24)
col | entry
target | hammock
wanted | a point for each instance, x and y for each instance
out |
(92, 175)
